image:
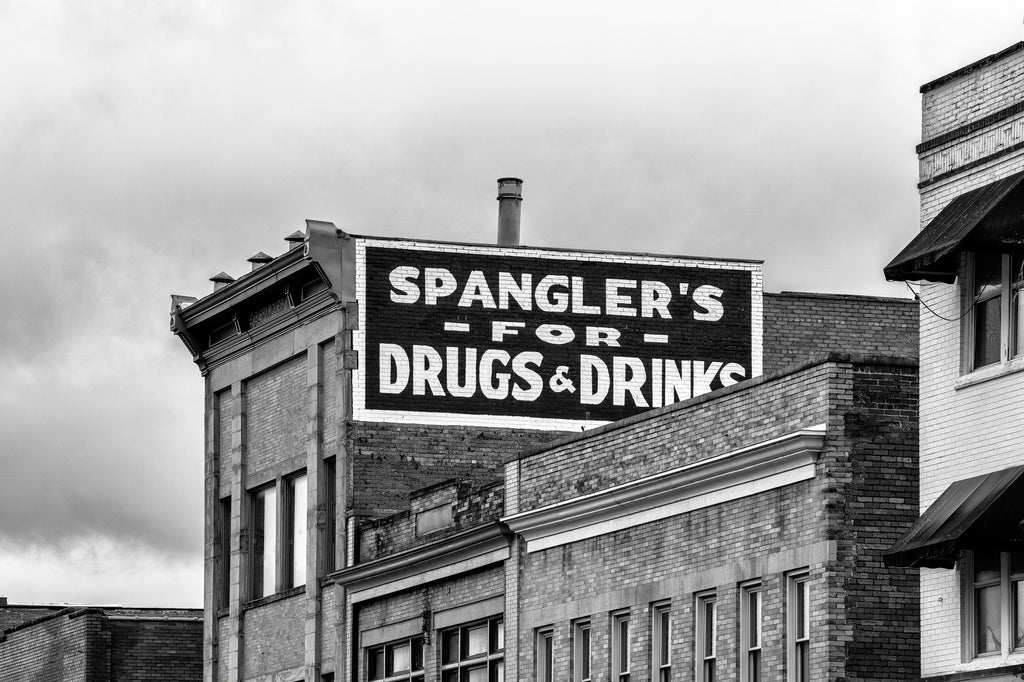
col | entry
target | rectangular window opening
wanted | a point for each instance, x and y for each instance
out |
(621, 655)
(581, 651)
(706, 648)
(661, 643)
(798, 615)
(751, 627)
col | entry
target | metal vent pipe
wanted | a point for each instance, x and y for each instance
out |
(510, 202)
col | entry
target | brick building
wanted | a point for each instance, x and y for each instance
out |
(86, 643)
(968, 257)
(392, 487)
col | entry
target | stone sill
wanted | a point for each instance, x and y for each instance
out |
(990, 372)
(270, 599)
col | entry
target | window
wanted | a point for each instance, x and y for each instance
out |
(620, 647)
(278, 540)
(581, 651)
(545, 655)
(994, 321)
(264, 541)
(707, 634)
(798, 624)
(661, 643)
(751, 619)
(474, 653)
(401, 660)
(995, 616)
(330, 509)
(295, 525)
(224, 553)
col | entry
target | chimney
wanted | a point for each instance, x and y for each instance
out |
(221, 280)
(510, 201)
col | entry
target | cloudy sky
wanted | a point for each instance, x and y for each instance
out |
(145, 146)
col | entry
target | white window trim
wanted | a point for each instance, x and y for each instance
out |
(746, 646)
(793, 580)
(1007, 328)
(578, 653)
(657, 665)
(968, 621)
(705, 600)
(620, 673)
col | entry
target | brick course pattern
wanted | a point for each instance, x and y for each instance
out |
(93, 644)
(864, 620)
(801, 326)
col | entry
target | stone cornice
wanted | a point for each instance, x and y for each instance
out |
(747, 471)
(466, 551)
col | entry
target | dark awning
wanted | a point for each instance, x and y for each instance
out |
(989, 218)
(980, 513)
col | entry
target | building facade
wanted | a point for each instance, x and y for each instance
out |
(87, 643)
(968, 259)
(390, 424)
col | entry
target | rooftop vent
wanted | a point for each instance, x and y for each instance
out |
(510, 200)
(259, 260)
(295, 240)
(221, 280)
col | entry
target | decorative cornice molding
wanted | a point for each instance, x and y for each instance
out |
(469, 550)
(747, 471)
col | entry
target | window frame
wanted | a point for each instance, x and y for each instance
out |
(1007, 606)
(296, 519)
(1010, 312)
(579, 653)
(620, 669)
(492, 660)
(798, 644)
(705, 664)
(661, 628)
(263, 535)
(272, 539)
(413, 674)
(750, 649)
(544, 654)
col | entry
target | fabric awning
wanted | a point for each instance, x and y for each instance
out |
(980, 513)
(989, 218)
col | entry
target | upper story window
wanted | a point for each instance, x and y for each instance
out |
(798, 627)
(278, 541)
(474, 652)
(400, 661)
(581, 651)
(994, 613)
(751, 625)
(621, 656)
(706, 645)
(994, 323)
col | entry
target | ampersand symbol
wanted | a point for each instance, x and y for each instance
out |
(560, 382)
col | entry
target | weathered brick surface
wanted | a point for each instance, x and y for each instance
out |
(273, 637)
(329, 391)
(223, 417)
(277, 420)
(801, 326)
(390, 461)
(470, 508)
(864, 617)
(91, 644)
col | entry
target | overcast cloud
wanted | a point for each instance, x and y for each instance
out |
(146, 146)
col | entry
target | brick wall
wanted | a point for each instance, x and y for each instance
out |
(390, 461)
(801, 326)
(863, 496)
(965, 430)
(274, 637)
(121, 645)
(277, 419)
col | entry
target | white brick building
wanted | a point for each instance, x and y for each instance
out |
(969, 257)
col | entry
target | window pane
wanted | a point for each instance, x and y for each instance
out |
(477, 674)
(803, 662)
(585, 653)
(623, 645)
(476, 640)
(497, 635)
(548, 655)
(801, 610)
(1018, 614)
(709, 629)
(709, 670)
(987, 566)
(375, 663)
(450, 647)
(988, 271)
(754, 666)
(986, 332)
(298, 530)
(498, 671)
(663, 643)
(986, 602)
(400, 658)
(754, 613)
(417, 654)
(265, 542)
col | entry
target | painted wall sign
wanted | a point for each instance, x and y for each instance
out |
(545, 339)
